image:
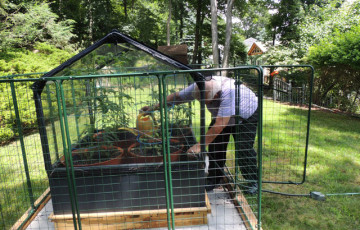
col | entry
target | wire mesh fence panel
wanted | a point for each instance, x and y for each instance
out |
(286, 119)
(116, 154)
(127, 149)
(23, 179)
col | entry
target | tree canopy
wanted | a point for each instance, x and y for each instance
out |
(318, 32)
(25, 24)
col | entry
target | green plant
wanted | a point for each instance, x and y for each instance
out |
(22, 25)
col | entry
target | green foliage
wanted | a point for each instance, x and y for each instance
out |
(18, 61)
(281, 55)
(333, 167)
(42, 58)
(286, 20)
(323, 21)
(255, 18)
(330, 28)
(238, 52)
(342, 49)
(339, 55)
(25, 24)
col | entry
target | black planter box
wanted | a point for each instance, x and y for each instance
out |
(128, 187)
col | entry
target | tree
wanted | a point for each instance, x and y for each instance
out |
(225, 62)
(327, 31)
(254, 17)
(168, 25)
(200, 16)
(337, 59)
(214, 33)
(285, 22)
(25, 24)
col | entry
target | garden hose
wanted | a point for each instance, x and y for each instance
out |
(314, 195)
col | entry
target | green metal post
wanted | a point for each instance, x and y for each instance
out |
(237, 128)
(22, 145)
(260, 128)
(65, 149)
(168, 162)
(52, 122)
(201, 86)
(69, 153)
(75, 109)
(164, 149)
(308, 122)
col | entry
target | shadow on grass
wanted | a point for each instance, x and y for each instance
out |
(333, 167)
(284, 143)
(15, 200)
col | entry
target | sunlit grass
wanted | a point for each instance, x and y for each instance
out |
(333, 165)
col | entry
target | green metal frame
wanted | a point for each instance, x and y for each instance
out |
(161, 76)
(308, 119)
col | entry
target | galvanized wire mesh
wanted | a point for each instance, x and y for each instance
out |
(107, 170)
(22, 176)
(286, 123)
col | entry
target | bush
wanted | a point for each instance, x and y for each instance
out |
(17, 61)
(337, 59)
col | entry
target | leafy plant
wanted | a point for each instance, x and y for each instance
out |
(25, 24)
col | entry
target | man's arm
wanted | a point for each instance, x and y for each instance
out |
(172, 99)
(211, 134)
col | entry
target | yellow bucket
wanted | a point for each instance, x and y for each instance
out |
(145, 124)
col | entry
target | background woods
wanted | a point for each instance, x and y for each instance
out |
(321, 33)
(36, 36)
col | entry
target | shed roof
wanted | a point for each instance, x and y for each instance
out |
(254, 46)
(178, 52)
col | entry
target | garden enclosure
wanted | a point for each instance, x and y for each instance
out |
(103, 158)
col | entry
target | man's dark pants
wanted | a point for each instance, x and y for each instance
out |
(247, 158)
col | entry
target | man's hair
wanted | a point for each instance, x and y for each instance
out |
(212, 87)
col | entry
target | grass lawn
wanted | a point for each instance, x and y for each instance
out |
(14, 198)
(333, 167)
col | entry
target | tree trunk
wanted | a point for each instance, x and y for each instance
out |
(230, 4)
(91, 21)
(199, 53)
(181, 21)
(168, 25)
(125, 9)
(197, 31)
(214, 33)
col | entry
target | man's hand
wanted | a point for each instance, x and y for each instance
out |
(148, 109)
(195, 149)
(193, 152)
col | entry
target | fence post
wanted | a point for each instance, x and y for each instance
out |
(68, 166)
(290, 91)
(52, 121)
(303, 94)
(274, 89)
(22, 144)
(165, 149)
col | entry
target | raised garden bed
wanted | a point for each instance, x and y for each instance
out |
(128, 187)
(129, 179)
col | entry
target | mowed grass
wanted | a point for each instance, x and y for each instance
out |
(14, 189)
(333, 167)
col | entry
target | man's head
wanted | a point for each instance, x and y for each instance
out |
(212, 87)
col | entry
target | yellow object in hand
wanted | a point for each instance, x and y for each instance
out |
(145, 124)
